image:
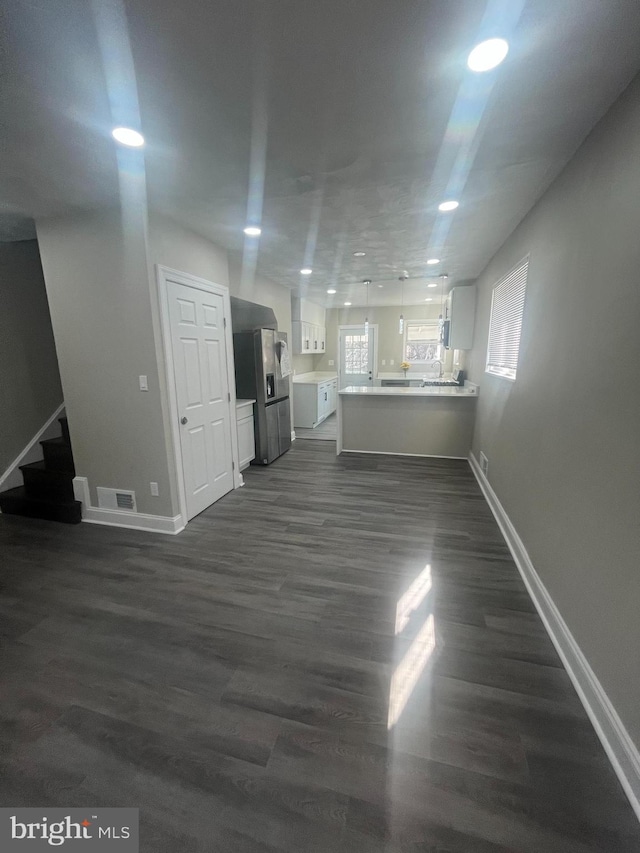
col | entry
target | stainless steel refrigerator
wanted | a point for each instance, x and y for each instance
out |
(259, 377)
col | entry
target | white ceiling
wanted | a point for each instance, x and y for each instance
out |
(362, 115)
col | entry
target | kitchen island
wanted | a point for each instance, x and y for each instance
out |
(428, 421)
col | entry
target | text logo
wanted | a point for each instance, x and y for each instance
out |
(100, 830)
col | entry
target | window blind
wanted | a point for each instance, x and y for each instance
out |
(507, 309)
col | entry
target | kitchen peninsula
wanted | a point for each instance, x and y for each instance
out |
(427, 421)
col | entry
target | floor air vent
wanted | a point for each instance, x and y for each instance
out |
(116, 499)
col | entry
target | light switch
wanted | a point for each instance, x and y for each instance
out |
(331, 362)
(154, 489)
(384, 362)
(392, 361)
(144, 385)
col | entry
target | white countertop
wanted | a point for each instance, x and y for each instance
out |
(469, 390)
(240, 403)
(314, 378)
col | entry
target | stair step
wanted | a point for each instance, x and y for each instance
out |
(17, 502)
(64, 423)
(43, 482)
(58, 455)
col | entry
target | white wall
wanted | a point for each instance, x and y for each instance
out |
(390, 341)
(179, 248)
(245, 284)
(563, 441)
(100, 273)
(308, 363)
(30, 389)
(97, 278)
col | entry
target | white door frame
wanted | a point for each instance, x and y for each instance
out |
(163, 276)
(346, 328)
(351, 327)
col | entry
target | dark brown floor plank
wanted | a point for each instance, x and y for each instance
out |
(340, 657)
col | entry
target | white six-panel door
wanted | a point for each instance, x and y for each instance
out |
(200, 367)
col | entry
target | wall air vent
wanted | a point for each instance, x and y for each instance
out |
(119, 499)
(484, 464)
(126, 500)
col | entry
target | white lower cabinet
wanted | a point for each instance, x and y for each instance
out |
(324, 401)
(313, 402)
(333, 395)
(246, 439)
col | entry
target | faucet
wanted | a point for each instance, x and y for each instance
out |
(439, 368)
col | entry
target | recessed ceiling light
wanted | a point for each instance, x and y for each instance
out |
(331, 290)
(127, 136)
(432, 261)
(306, 271)
(359, 254)
(433, 284)
(381, 285)
(347, 303)
(448, 205)
(488, 54)
(253, 231)
(428, 299)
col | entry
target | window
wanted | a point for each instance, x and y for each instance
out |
(507, 308)
(356, 354)
(421, 341)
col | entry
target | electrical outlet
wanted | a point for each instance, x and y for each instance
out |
(384, 362)
(484, 464)
(331, 362)
(154, 489)
(144, 385)
(392, 361)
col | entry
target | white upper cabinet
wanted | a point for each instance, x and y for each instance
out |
(309, 332)
(460, 311)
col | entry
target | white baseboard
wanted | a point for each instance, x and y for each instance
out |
(390, 453)
(621, 750)
(117, 518)
(134, 520)
(12, 476)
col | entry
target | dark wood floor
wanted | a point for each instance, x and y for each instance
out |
(340, 657)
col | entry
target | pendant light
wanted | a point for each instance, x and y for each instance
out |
(441, 348)
(402, 280)
(367, 282)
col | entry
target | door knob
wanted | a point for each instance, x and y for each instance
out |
(183, 420)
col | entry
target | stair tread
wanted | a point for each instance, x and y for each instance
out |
(20, 493)
(41, 465)
(58, 441)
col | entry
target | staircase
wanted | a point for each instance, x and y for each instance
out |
(48, 484)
